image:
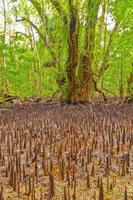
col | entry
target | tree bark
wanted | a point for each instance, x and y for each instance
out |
(130, 84)
(73, 55)
(86, 79)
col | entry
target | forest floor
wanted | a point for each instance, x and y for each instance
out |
(52, 150)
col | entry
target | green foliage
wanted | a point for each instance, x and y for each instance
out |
(26, 54)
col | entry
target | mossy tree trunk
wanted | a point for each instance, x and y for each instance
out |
(73, 55)
(130, 84)
(81, 84)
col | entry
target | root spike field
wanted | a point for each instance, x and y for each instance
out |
(56, 151)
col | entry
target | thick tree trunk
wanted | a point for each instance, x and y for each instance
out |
(73, 58)
(86, 83)
(81, 84)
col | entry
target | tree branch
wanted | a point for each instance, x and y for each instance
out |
(34, 26)
(42, 36)
(104, 66)
(38, 7)
(58, 8)
(24, 34)
(91, 21)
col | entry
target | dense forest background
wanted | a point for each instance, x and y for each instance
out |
(35, 45)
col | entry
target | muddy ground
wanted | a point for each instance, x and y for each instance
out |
(52, 150)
